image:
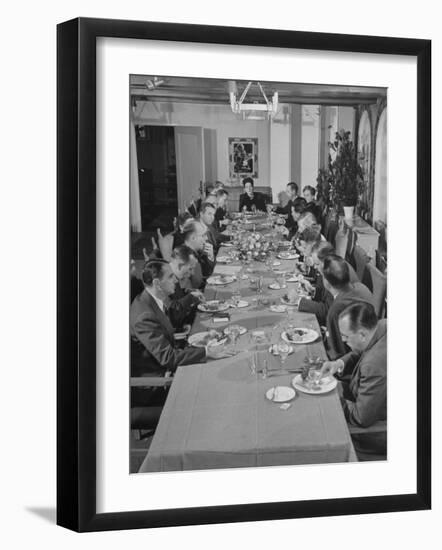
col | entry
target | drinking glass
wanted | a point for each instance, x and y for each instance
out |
(253, 363)
(283, 350)
(264, 370)
(314, 377)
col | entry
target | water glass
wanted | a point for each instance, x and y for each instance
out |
(283, 350)
(252, 361)
(264, 370)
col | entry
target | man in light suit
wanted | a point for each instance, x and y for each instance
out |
(364, 397)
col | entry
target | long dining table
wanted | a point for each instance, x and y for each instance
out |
(217, 415)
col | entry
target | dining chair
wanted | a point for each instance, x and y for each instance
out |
(332, 232)
(361, 259)
(377, 283)
(370, 443)
(351, 243)
(146, 417)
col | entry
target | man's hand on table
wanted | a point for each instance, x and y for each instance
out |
(198, 294)
(217, 351)
(331, 367)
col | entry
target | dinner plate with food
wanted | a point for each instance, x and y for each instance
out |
(232, 328)
(202, 339)
(280, 394)
(277, 308)
(294, 278)
(273, 349)
(323, 385)
(276, 286)
(221, 279)
(224, 259)
(213, 306)
(288, 255)
(299, 335)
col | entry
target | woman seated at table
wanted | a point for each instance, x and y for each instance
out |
(249, 200)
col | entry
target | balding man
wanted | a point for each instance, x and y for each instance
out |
(364, 397)
(195, 237)
(336, 276)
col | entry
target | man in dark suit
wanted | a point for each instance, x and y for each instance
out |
(194, 235)
(309, 193)
(364, 397)
(153, 348)
(336, 276)
(322, 299)
(249, 200)
(292, 193)
(184, 300)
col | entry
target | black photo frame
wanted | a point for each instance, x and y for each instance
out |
(76, 271)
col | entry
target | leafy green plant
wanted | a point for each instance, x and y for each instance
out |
(342, 184)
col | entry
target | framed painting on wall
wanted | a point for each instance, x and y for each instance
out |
(243, 157)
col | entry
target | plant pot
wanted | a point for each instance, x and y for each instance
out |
(349, 212)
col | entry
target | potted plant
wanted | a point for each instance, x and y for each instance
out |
(345, 177)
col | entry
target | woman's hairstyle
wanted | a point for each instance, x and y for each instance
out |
(311, 189)
(248, 180)
(360, 315)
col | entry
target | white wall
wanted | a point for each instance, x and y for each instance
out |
(214, 117)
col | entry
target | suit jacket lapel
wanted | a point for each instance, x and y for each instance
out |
(162, 317)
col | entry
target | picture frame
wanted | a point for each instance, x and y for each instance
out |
(77, 274)
(243, 157)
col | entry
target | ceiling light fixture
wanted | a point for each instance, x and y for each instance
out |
(269, 107)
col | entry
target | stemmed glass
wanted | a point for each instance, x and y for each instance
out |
(236, 294)
(283, 350)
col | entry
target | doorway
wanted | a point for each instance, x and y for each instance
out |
(157, 176)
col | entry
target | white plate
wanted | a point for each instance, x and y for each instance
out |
(273, 349)
(294, 279)
(242, 330)
(224, 259)
(327, 384)
(288, 256)
(221, 279)
(240, 304)
(280, 394)
(201, 339)
(182, 335)
(222, 306)
(309, 336)
(276, 286)
(278, 309)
